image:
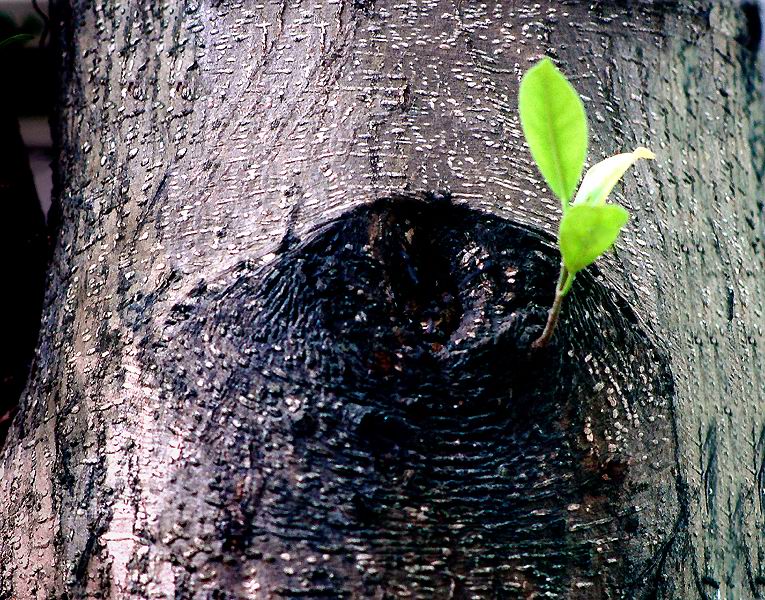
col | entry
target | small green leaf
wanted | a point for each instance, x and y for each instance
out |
(601, 178)
(587, 231)
(555, 126)
(21, 38)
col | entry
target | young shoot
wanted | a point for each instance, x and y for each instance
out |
(554, 123)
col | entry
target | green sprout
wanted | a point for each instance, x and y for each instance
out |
(555, 126)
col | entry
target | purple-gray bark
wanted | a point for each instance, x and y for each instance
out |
(302, 254)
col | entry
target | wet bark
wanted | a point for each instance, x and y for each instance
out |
(302, 256)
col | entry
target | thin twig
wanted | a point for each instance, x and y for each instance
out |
(552, 316)
(45, 20)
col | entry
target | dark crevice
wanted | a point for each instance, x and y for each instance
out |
(418, 277)
(751, 37)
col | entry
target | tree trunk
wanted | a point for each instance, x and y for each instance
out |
(302, 254)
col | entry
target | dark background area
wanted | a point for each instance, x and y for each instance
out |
(26, 64)
(29, 77)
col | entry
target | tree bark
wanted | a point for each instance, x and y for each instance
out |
(302, 255)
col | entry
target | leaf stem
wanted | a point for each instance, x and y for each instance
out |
(565, 279)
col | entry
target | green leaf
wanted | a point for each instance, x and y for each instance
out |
(21, 38)
(555, 126)
(587, 231)
(601, 178)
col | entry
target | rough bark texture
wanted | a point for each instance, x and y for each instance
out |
(302, 255)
